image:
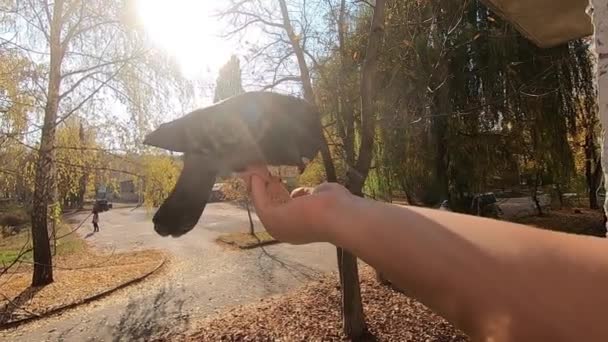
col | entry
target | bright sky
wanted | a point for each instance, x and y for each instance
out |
(189, 31)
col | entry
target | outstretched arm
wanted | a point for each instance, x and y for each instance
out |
(495, 280)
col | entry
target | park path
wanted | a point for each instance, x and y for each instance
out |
(202, 278)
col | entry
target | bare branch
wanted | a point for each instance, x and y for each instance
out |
(315, 63)
(40, 25)
(91, 95)
(45, 5)
(89, 75)
(246, 25)
(72, 30)
(77, 83)
(282, 80)
(366, 2)
(75, 32)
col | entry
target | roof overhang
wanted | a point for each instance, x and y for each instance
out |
(547, 23)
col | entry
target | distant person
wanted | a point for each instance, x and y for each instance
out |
(95, 219)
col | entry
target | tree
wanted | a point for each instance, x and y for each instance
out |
(600, 18)
(357, 175)
(85, 51)
(159, 174)
(15, 100)
(76, 153)
(229, 80)
(296, 37)
(229, 84)
(461, 93)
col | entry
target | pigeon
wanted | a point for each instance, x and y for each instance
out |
(246, 129)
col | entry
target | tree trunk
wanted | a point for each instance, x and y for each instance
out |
(597, 179)
(352, 309)
(368, 91)
(600, 22)
(45, 178)
(356, 328)
(299, 52)
(534, 194)
(251, 227)
(346, 117)
(439, 131)
(593, 202)
(560, 195)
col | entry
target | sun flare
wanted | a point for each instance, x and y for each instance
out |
(188, 30)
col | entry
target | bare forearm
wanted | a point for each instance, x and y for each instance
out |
(491, 278)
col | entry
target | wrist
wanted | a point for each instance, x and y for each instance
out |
(337, 213)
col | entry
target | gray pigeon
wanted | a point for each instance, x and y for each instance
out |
(254, 127)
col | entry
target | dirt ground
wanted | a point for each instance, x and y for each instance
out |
(77, 277)
(202, 279)
(312, 314)
(569, 220)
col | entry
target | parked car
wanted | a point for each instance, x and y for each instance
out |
(217, 195)
(445, 206)
(486, 205)
(102, 205)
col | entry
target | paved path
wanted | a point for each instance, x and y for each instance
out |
(202, 278)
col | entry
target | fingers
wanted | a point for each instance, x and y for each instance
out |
(299, 192)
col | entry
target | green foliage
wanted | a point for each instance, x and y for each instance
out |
(465, 103)
(77, 154)
(313, 175)
(160, 174)
(15, 102)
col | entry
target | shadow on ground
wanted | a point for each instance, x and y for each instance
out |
(14, 308)
(268, 262)
(145, 319)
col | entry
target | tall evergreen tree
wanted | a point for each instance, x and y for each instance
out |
(229, 81)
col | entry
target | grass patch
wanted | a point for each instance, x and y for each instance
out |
(8, 256)
(245, 240)
(15, 241)
(11, 246)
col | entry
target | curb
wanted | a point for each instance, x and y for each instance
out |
(257, 245)
(233, 244)
(102, 294)
(78, 211)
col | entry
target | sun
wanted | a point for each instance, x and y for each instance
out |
(187, 30)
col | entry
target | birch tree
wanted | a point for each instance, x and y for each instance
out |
(91, 54)
(599, 15)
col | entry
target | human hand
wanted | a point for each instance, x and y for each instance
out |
(304, 216)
